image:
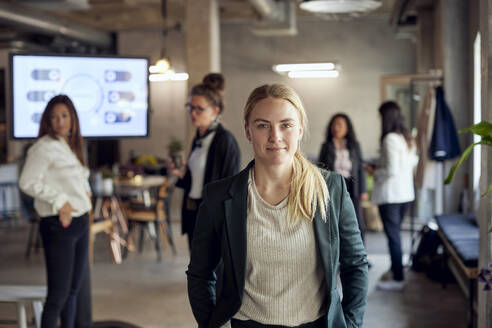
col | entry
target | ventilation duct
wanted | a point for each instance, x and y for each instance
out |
(57, 4)
(37, 22)
(279, 18)
(267, 9)
(339, 6)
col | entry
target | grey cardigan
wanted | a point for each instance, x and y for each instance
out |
(220, 234)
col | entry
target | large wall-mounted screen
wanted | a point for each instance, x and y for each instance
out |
(110, 94)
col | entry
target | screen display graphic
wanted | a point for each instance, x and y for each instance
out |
(110, 94)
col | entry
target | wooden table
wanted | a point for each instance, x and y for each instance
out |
(110, 211)
(140, 188)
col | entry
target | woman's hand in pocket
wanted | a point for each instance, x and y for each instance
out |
(65, 214)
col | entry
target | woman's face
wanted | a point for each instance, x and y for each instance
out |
(339, 128)
(60, 120)
(202, 113)
(274, 130)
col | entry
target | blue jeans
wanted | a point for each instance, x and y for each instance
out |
(392, 217)
(66, 257)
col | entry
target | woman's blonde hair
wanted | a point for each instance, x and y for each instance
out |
(308, 189)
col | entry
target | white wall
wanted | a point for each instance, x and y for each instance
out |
(365, 48)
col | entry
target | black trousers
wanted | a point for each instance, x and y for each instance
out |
(319, 323)
(189, 213)
(392, 216)
(66, 257)
(83, 317)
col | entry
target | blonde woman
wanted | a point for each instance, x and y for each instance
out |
(282, 228)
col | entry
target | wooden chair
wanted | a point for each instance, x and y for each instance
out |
(150, 214)
(108, 218)
(10, 203)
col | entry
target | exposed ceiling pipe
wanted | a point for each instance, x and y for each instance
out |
(21, 45)
(12, 15)
(267, 9)
(286, 26)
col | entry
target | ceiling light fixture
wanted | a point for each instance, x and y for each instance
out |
(161, 66)
(308, 70)
(304, 67)
(339, 6)
(162, 70)
(313, 74)
(170, 75)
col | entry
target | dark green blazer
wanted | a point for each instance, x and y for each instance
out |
(220, 233)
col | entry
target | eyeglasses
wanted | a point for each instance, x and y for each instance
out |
(190, 108)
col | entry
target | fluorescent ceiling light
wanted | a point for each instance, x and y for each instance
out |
(313, 74)
(339, 6)
(180, 77)
(304, 67)
(168, 76)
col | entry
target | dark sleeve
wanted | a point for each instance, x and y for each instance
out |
(205, 256)
(323, 155)
(229, 155)
(353, 262)
(361, 174)
(185, 182)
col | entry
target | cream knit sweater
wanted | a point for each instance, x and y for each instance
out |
(284, 276)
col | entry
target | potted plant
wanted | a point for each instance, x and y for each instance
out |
(107, 181)
(484, 130)
(175, 148)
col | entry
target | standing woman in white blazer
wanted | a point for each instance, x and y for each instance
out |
(56, 177)
(393, 189)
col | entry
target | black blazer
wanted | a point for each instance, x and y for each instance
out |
(221, 234)
(327, 161)
(223, 160)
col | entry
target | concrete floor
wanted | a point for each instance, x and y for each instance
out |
(150, 294)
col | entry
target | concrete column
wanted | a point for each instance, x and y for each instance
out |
(425, 40)
(485, 208)
(202, 33)
(202, 43)
(455, 18)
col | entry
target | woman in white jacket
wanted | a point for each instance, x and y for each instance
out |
(55, 175)
(393, 186)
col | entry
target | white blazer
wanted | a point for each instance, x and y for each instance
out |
(393, 177)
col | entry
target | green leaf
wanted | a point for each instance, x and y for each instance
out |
(487, 140)
(489, 189)
(463, 158)
(483, 129)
